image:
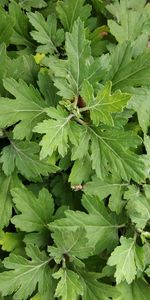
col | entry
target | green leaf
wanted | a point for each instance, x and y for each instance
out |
(70, 244)
(127, 17)
(24, 156)
(48, 89)
(23, 67)
(10, 241)
(94, 289)
(148, 271)
(24, 274)
(140, 103)
(21, 28)
(28, 4)
(98, 223)
(46, 32)
(128, 258)
(35, 213)
(137, 290)
(69, 286)
(110, 151)
(69, 11)
(56, 132)
(104, 104)
(3, 63)
(6, 25)
(109, 186)
(138, 205)
(6, 184)
(27, 108)
(126, 71)
(70, 73)
(80, 171)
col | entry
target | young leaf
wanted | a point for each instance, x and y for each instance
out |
(35, 213)
(128, 258)
(24, 275)
(104, 104)
(99, 225)
(70, 244)
(46, 32)
(69, 285)
(24, 156)
(27, 108)
(69, 11)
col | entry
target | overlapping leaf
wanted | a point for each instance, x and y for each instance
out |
(138, 205)
(29, 4)
(69, 11)
(99, 225)
(128, 258)
(137, 290)
(70, 73)
(46, 32)
(10, 241)
(126, 71)
(56, 131)
(7, 24)
(69, 286)
(109, 186)
(6, 204)
(70, 244)
(104, 104)
(110, 151)
(24, 156)
(20, 34)
(94, 289)
(27, 108)
(127, 14)
(24, 274)
(35, 213)
(141, 104)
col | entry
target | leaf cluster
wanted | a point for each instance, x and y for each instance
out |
(74, 150)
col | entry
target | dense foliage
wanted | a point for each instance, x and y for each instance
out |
(74, 150)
